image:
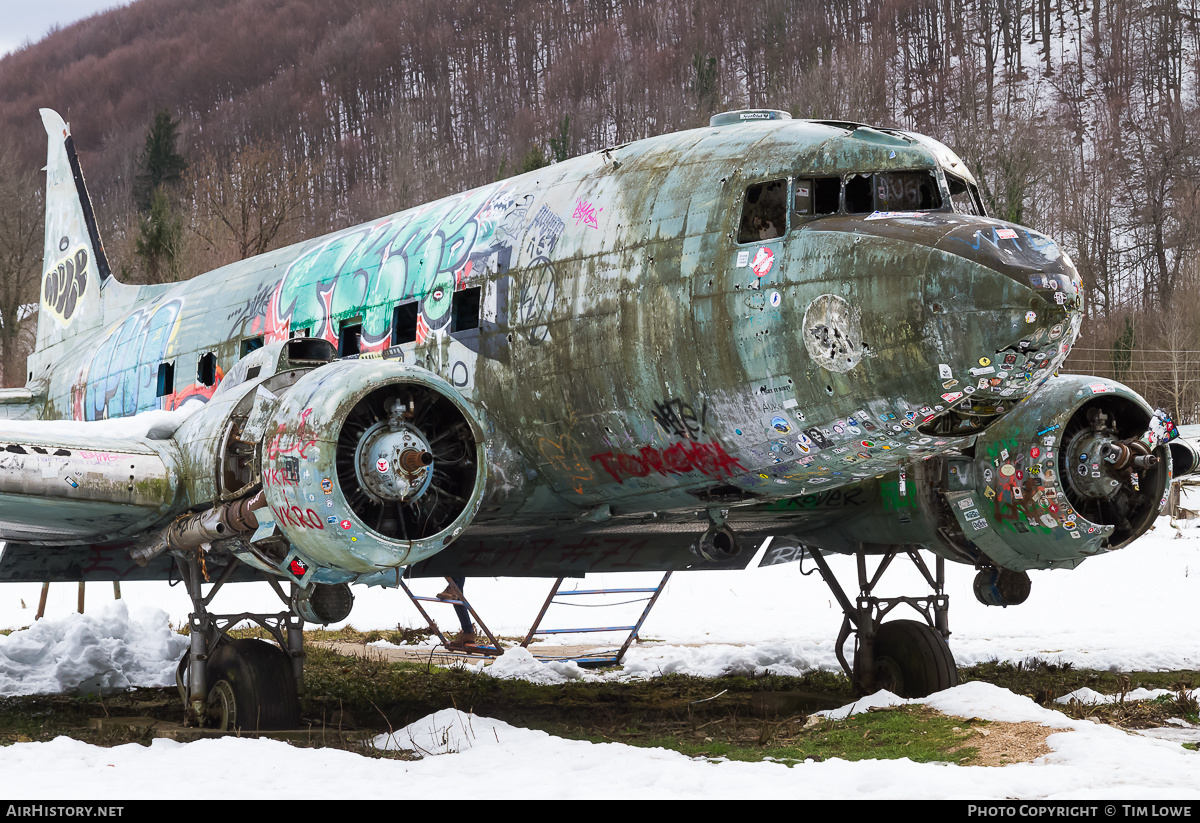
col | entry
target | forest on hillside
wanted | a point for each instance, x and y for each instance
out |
(296, 117)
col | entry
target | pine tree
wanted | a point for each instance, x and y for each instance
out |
(160, 240)
(160, 163)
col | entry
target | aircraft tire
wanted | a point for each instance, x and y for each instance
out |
(251, 688)
(912, 659)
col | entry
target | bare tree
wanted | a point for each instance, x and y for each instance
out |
(249, 201)
(21, 220)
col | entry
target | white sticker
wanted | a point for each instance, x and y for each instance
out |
(743, 259)
(944, 371)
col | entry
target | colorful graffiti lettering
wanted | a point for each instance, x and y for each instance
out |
(710, 459)
(426, 254)
(64, 285)
(121, 378)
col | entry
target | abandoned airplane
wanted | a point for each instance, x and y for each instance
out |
(651, 357)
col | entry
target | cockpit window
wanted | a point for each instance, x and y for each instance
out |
(907, 191)
(815, 196)
(964, 196)
(892, 191)
(764, 214)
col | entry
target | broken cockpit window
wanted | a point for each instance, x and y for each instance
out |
(892, 191)
(965, 196)
(907, 191)
(764, 212)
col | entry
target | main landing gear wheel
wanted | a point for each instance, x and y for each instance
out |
(912, 659)
(251, 688)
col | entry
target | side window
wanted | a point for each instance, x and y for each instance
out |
(206, 369)
(964, 196)
(464, 309)
(404, 323)
(764, 212)
(349, 337)
(251, 344)
(166, 379)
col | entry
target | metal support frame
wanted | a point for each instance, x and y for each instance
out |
(863, 617)
(208, 630)
(601, 660)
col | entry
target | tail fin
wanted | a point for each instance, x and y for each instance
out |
(74, 265)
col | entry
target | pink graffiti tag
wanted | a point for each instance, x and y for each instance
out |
(707, 458)
(587, 214)
(298, 445)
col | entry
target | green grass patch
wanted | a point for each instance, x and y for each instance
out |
(913, 732)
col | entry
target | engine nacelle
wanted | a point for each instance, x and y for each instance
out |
(369, 465)
(1077, 469)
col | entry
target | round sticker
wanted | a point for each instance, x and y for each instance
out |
(345, 524)
(775, 298)
(382, 465)
(1030, 316)
(985, 361)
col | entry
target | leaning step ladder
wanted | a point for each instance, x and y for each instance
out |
(596, 660)
(474, 650)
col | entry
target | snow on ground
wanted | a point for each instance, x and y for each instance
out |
(1134, 609)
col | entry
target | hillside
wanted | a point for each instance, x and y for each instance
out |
(1078, 115)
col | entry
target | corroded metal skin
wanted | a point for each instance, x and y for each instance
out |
(626, 352)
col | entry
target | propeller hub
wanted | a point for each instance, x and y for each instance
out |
(394, 465)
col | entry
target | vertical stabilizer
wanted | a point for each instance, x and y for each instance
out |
(74, 266)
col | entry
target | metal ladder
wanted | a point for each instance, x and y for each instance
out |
(604, 658)
(474, 650)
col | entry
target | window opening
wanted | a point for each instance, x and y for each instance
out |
(906, 191)
(859, 198)
(251, 344)
(764, 212)
(206, 371)
(300, 333)
(166, 379)
(816, 196)
(464, 309)
(964, 197)
(350, 337)
(404, 323)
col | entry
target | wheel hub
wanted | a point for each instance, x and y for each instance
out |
(222, 707)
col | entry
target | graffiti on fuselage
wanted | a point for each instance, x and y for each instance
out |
(424, 255)
(121, 378)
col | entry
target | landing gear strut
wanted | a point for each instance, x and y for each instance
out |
(240, 684)
(907, 657)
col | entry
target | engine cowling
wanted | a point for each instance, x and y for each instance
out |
(368, 465)
(1081, 467)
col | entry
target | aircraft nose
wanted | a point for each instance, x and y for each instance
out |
(1024, 255)
(1029, 288)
